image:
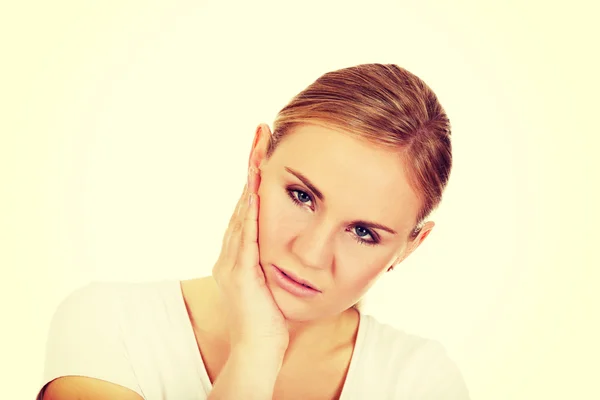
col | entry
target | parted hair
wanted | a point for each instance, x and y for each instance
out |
(388, 107)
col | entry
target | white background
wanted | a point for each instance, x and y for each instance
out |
(126, 126)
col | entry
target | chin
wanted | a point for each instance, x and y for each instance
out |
(292, 307)
(294, 312)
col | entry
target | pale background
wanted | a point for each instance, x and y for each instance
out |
(126, 126)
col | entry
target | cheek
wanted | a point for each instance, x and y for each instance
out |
(361, 268)
(279, 220)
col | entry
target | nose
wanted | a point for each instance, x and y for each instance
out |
(313, 245)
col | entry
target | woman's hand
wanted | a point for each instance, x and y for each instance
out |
(254, 319)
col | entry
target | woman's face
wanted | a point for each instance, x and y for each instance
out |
(334, 211)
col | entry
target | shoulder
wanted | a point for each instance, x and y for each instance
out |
(85, 314)
(413, 366)
(387, 341)
(199, 296)
(98, 308)
(88, 343)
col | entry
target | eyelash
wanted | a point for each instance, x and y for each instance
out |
(358, 239)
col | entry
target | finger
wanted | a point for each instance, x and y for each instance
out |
(228, 249)
(244, 240)
(250, 231)
(248, 257)
(250, 225)
(238, 223)
(240, 203)
(254, 182)
(236, 211)
(233, 245)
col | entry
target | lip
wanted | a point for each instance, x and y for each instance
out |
(290, 285)
(297, 279)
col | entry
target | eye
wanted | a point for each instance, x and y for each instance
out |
(299, 197)
(361, 233)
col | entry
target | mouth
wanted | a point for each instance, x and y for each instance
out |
(298, 280)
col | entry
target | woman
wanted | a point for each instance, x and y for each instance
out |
(337, 194)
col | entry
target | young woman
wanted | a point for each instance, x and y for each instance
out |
(337, 195)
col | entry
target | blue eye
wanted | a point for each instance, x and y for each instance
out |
(361, 233)
(299, 197)
(303, 197)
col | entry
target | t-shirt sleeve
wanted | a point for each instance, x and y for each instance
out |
(435, 376)
(85, 339)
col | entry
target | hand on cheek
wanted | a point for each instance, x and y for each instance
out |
(255, 320)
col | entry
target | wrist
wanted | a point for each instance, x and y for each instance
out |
(247, 373)
(269, 358)
(267, 346)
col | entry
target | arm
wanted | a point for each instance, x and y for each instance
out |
(249, 374)
(85, 357)
(79, 387)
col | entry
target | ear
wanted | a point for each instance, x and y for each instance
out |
(260, 145)
(414, 244)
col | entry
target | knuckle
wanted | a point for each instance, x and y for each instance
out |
(237, 227)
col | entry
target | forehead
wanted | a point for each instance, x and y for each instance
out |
(354, 175)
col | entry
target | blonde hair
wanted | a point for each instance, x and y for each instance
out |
(389, 107)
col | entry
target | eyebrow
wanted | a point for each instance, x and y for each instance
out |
(375, 225)
(321, 197)
(307, 182)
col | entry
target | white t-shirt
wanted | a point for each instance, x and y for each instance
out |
(139, 335)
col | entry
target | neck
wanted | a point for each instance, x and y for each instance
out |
(322, 334)
(338, 330)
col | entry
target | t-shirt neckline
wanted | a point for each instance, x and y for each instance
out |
(189, 338)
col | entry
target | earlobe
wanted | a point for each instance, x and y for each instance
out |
(395, 263)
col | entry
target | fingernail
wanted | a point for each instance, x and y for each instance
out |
(250, 199)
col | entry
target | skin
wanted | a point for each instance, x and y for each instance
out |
(316, 240)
